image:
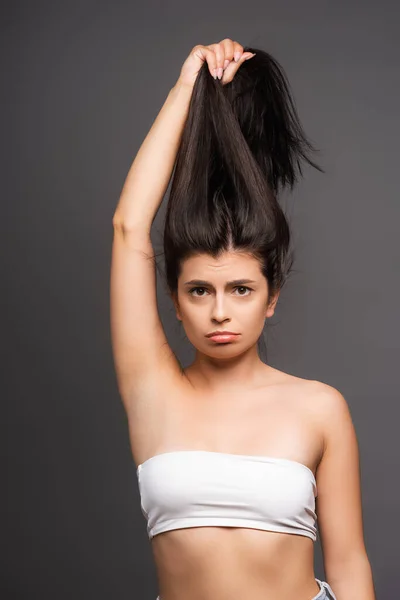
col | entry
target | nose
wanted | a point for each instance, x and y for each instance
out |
(219, 311)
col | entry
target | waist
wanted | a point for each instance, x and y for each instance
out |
(216, 562)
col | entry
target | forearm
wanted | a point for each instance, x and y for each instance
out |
(151, 170)
(353, 580)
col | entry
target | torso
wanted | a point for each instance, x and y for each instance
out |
(281, 419)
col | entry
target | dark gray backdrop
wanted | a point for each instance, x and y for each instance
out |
(82, 84)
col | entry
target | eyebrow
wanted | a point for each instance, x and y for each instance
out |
(202, 282)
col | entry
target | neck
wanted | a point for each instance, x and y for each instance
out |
(235, 374)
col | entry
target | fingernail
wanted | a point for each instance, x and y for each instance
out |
(215, 73)
(237, 56)
(220, 72)
(248, 57)
(226, 63)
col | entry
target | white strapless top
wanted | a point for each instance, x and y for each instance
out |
(200, 488)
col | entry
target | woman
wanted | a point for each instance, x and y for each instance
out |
(236, 459)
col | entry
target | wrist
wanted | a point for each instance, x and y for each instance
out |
(183, 86)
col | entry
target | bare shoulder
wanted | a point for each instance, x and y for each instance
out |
(324, 402)
(319, 399)
(331, 409)
(307, 388)
(327, 398)
(328, 414)
(322, 395)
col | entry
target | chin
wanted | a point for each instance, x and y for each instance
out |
(222, 349)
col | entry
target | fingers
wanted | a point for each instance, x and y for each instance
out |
(223, 58)
(233, 67)
(225, 52)
(219, 52)
(205, 53)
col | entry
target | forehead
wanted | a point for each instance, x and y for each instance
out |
(227, 264)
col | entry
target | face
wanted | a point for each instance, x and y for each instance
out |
(230, 294)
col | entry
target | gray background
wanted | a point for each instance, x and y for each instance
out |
(82, 83)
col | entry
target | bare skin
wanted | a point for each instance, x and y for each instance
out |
(278, 415)
(227, 401)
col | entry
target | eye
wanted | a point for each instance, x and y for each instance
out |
(243, 287)
(238, 287)
(194, 289)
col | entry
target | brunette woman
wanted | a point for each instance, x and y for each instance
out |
(240, 465)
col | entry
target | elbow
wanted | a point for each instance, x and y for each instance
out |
(140, 229)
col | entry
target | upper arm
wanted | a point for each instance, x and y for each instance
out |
(142, 355)
(339, 502)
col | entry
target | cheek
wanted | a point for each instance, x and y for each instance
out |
(192, 315)
(252, 310)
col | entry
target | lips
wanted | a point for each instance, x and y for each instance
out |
(224, 338)
(213, 333)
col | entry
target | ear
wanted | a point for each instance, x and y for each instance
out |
(271, 306)
(174, 298)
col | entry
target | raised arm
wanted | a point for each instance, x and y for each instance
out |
(140, 348)
(151, 170)
(144, 362)
(149, 175)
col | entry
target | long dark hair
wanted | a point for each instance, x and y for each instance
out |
(242, 144)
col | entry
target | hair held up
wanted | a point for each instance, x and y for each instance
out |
(241, 145)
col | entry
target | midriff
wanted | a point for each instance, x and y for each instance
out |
(227, 563)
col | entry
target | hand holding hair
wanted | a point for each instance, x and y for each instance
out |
(223, 59)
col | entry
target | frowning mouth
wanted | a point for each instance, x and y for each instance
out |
(226, 336)
(221, 333)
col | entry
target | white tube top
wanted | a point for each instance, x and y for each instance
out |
(200, 488)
